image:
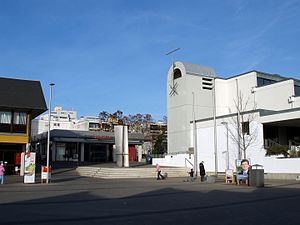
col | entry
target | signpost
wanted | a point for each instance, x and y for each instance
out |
(29, 167)
(45, 174)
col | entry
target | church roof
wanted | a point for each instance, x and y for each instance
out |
(195, 69)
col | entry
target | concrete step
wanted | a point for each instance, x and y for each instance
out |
(87, 171)
(111, 173)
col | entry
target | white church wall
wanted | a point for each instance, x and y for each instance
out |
(228, 90)
(222, 97)
(275, 164)
(296, 102)
(205, 147)
(176, 160)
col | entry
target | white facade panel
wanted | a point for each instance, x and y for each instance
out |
(229, 91)
(275, 96)
(296, 102)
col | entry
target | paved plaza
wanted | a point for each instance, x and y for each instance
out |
(71, 199)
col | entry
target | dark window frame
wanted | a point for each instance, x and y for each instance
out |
(246, 127)
(13, 127)
(297, 90)
(264, 81)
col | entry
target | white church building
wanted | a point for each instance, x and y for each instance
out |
(221, 120)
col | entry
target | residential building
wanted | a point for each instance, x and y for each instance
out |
(87, 123)
(65, 120)
(60, 119)
(158, 131)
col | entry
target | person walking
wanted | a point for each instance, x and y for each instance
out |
(158, 170)
(2, 170)
(202, 171)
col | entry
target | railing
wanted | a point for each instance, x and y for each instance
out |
(158, 155)
(186, 160)
(293, 143)
(291, 150)
(294, 149)
(270, 142)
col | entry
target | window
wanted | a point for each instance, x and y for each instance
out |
(20, 118)
(263, 81)
(176, 74)
(297, 90)
(93, 125)
(14, 122)
(245, 128)
(19, 122)
(5, 121)
(5, 117)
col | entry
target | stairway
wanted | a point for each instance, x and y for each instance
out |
(118, 173)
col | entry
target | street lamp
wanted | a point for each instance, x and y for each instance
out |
(195, 138)
(215, 127)
(48, 140)
(227, 150)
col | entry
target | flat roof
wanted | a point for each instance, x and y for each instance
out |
(86, 136)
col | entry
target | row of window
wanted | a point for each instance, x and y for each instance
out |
(263, 81)
(14, 122)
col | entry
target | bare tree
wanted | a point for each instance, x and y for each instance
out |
(103, 116)
(241, 122)
(118, 115)
(165, 119)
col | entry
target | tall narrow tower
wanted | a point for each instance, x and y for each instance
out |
(189, 97)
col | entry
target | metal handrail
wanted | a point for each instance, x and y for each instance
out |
(186, 160)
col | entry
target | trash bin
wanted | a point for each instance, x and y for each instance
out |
(256, 176)
(149, 159)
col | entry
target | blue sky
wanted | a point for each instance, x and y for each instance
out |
(110, 55)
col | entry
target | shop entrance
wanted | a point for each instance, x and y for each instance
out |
(132, 153)
(96, 152)
(11, 155)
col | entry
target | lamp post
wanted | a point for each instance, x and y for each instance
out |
(195, 138)
(48, 140)
(227, 145)
(215, 128)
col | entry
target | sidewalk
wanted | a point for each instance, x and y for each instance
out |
(71, 199)
(66, 174)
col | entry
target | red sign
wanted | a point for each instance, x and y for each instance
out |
(104, 137)
(18, 158)
(45, 169)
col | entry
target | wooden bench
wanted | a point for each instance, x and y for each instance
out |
(229, 176)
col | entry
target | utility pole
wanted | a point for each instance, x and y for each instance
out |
(48, 139)
(215, 129)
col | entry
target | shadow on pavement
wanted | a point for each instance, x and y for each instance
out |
(137, 202)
